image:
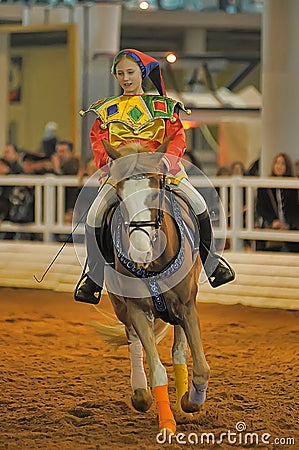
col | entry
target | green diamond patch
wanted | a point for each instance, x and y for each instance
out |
(135, 113)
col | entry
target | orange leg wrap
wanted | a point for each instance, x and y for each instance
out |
(166, 419)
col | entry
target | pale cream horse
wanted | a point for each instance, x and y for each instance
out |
(151, 241)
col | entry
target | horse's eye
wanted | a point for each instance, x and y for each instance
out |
(154, 196)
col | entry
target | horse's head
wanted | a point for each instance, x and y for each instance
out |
(138, 182)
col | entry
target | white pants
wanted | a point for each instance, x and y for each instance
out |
(107, 197)
(191, 195)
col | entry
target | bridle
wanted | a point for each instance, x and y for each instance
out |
(140, 225)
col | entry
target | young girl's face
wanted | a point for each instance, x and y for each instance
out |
(128, 74)
(279, 167)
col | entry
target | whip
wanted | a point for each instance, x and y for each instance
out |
(39, 280)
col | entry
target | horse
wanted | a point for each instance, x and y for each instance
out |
(155, 276)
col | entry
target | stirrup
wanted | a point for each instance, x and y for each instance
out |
(88, 291)
(223, 273)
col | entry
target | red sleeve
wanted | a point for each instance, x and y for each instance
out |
(96, 135)
(177, 145)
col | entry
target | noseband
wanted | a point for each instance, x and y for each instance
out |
(139, 225)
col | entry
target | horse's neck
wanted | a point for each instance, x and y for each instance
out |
(171, 232)
(172, 247)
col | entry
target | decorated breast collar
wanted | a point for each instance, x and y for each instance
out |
(149, 277)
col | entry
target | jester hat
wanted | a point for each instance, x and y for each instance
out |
(149, 67)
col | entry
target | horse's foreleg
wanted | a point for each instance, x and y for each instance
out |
(192, 401)
(179, 360)
(144, 326)
(141, 395)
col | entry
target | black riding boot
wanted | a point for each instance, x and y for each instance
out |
(217, 269)
(89, 288)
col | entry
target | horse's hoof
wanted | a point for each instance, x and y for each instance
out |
(187, 406)
(142, 399)
(181, 417)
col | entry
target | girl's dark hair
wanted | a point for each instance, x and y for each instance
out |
(288, 162)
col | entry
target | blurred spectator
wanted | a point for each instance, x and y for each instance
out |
(5, 169)
(223, 171)
(254, 169)
(34, 164)
(297, 168)
(278, 208)
(237, 168)
(49, 139)
(11, 154)
(86, 171)
(63, 160)
(86, 192)
(65, 163)
(22, 197)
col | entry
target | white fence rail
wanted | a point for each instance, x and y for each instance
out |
(49, 193)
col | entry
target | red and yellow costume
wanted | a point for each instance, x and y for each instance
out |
(145, 118)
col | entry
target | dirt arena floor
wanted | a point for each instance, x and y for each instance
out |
(63, 388)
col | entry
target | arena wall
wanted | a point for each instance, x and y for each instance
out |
(268, 280)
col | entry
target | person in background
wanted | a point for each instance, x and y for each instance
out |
(34, 164)
(278, 208)
(88, 192)
(49, 139)
(63, 160)
(65, 163)
(237, 168)
(223, 171)
(297, 168)
(11, 154)
(254, 169)
(5, 169)
(87, 170)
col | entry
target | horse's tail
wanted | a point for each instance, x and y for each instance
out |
(113, 331)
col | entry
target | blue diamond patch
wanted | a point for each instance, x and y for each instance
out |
(112, 109)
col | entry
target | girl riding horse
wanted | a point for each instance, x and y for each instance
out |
(136, 116)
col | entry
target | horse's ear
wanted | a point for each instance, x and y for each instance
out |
(110, 150)
(163, 147)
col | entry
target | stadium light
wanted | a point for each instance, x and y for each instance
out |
(171, 58)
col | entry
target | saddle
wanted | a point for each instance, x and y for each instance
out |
(104, 236)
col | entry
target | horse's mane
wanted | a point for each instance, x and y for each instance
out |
(135, 158)
(133, 148)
